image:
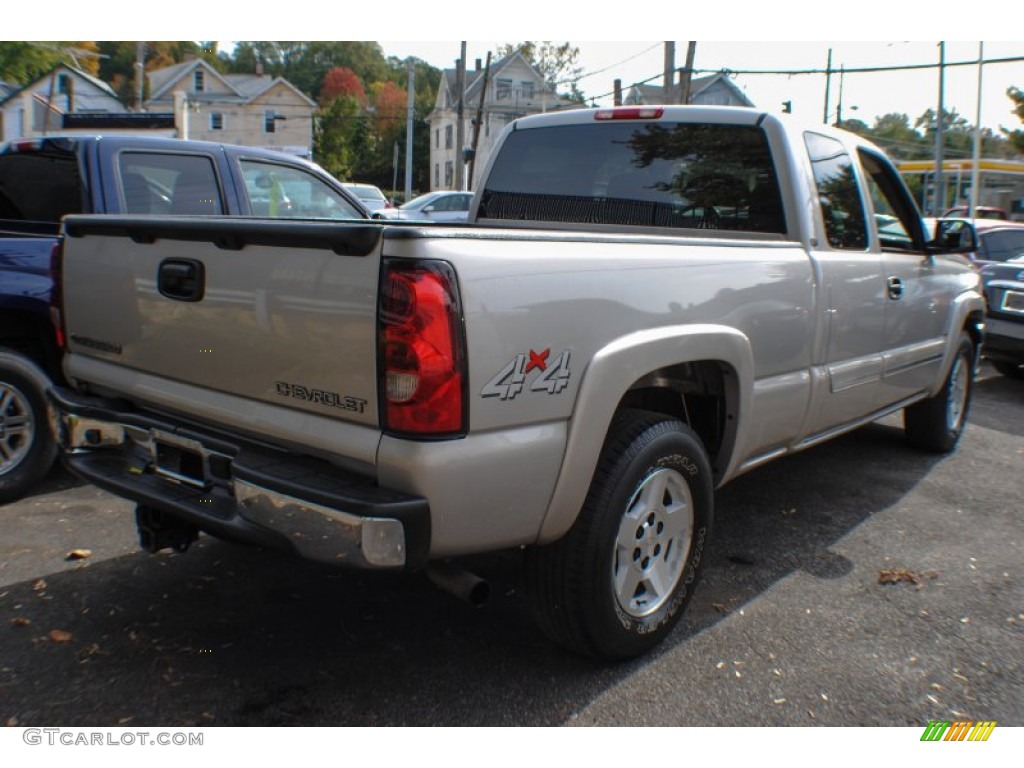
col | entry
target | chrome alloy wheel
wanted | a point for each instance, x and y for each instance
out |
(959, 385)
(652, 543)
(16, 427)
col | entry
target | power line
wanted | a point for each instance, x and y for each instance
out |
(849, 70)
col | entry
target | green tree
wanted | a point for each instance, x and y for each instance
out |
(1016, 137)
(24, 62)
(341, 136)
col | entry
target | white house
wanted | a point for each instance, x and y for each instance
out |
(717, 89)
(253, 110)
(40, 107)
(513, 89)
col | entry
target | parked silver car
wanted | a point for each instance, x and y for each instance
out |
(369, 195)
(434, 206)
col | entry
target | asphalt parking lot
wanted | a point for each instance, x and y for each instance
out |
(858, 583)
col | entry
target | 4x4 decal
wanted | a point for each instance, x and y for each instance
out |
(550, 377)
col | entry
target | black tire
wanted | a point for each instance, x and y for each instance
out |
(27, 449)
(1013, 370)
(937, 423)
(595, 590)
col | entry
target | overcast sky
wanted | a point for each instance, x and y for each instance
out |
(781, 35)
(864, 95)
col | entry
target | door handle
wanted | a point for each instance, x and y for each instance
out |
(895, 286)
(181, 279)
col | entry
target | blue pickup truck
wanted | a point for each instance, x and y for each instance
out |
(43, 180)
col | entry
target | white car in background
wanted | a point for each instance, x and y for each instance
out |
(370, 196)
(433, 206)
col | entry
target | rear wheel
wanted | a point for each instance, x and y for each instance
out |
(616, 584)
(937, 423)
(27, 450)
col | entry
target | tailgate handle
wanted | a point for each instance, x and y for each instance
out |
(181, 279)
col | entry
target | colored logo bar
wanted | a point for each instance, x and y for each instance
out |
(965, 730)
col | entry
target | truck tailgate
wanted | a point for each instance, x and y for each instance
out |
(221, 305)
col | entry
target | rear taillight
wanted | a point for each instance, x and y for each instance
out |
(421, 350)
(56, 291)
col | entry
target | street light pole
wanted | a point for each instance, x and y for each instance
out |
(976, 160)
(410, 103)
(940, 184)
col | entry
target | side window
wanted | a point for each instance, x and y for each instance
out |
(838, 193)
(896, 216)
(279, 191)
(1003, 245)
(164, 182)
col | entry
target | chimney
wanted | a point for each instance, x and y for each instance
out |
(190, 57)
(259, 67)
(478, 65)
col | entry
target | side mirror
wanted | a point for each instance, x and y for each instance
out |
(429, 209)
(954, 236)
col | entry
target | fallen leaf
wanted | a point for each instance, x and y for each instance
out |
(12, 722)
(78, 554)
(60, 636)
(896, 575)
(125, 720)
(39, 585)
(21, 621)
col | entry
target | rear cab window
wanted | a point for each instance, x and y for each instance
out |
(637, 174)
(842, 209)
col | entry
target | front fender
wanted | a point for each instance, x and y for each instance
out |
(611, 373)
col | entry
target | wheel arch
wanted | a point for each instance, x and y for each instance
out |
(708, 364)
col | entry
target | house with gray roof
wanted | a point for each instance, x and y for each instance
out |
(717, 89)
(42, 106)
(514, 89)
(254, 110)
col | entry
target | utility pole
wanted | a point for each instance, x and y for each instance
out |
(940, 185)
(617, 92)
(828, 83)
(460, 128)
(408, 130)
(691, 53)
(479, 119)
(140, 67)
(839, 107)
(670, 73)
(976, 158)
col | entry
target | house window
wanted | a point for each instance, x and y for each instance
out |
(449, 174)
(437, 175)
(503, 88)
(199, 81)
(63, 84)
(269, 121)
(448, 139)
(216, 121)
(526, 90)
(437, 138)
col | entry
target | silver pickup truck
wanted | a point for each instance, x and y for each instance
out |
(645, 303)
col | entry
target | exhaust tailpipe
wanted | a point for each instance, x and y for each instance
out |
(459, 582)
